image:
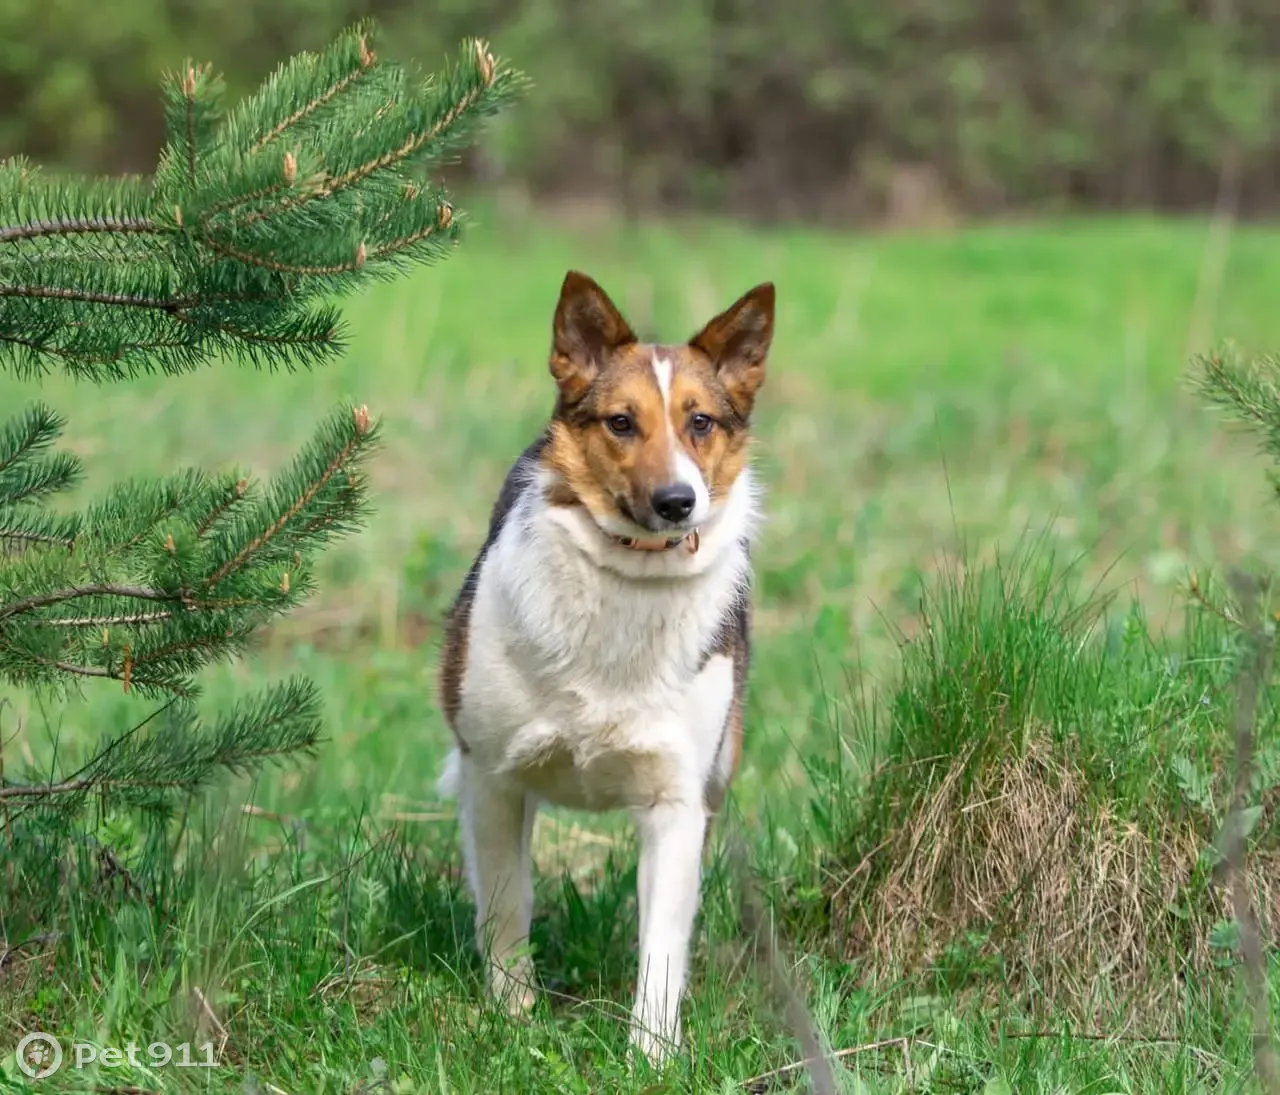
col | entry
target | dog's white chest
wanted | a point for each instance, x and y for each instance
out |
(629, 750)
(591, 690)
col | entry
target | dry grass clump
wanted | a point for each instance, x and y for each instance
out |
(1041, 790)
(1021, 866)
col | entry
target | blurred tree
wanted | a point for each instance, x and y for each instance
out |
(815, 108)
(256, 216)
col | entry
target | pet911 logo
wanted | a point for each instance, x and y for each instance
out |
(40, 1055)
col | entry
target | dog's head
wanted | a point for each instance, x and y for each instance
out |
(651, 438)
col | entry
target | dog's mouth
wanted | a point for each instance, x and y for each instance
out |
(649, 536)
(624, 508)
(652, 524)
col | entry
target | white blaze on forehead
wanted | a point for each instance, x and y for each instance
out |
(684, 469)
(662, 372)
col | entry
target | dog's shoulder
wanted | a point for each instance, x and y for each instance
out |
(516, 483)
(457, 619)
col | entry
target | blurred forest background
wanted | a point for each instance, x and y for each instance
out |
(920, 111)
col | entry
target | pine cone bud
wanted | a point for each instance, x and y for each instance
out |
(484, 61)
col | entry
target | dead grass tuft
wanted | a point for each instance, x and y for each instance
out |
(1019, 865)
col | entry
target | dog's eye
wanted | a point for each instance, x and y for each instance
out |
(701, 424)
(620, 425)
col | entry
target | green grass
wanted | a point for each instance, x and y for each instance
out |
(930, 398)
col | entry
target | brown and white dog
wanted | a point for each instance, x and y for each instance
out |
(596, 655)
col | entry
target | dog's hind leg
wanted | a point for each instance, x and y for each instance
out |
(497, 826)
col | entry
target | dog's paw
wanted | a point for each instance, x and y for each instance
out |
(512, 987)
(651, 1039)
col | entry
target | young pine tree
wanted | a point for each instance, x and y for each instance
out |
(1249, 390)
(257, 217)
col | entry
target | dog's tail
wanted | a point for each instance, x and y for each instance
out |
(450, 781)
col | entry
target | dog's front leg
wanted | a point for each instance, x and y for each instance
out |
(669, 883)
(497, 822)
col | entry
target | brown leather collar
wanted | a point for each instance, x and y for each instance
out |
(690, 540)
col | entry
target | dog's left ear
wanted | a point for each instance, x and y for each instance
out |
(737, 341)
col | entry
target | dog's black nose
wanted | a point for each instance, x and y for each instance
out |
(675, 502)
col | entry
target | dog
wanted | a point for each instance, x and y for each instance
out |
(596, 655)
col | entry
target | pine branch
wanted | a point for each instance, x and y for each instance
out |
(86, 296)
(62, 596)
(77, 226)
(28, 474)
(1247, 388)
(291, 516)
(165, 578)
(124, 673)
(19, 531)
(33, 431)
(302, 88)
(227, 495)
(34, 479)
(174, 753)
(131, 619)
(253, 222)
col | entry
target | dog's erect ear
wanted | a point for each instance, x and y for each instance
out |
(737, 342)
(587, 327)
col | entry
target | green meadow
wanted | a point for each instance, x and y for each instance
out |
(988, 735)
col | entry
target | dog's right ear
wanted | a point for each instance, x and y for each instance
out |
(587, 328)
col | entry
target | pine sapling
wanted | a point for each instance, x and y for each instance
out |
(257, 220)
